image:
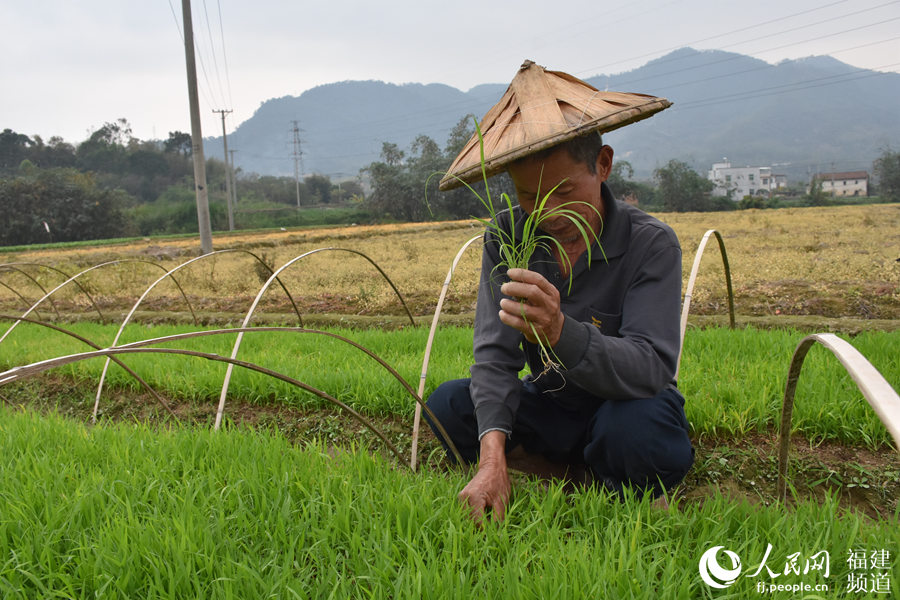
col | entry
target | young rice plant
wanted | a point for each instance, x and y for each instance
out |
(516, 251)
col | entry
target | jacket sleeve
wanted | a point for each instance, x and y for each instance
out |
(498, 353)
(641, 360)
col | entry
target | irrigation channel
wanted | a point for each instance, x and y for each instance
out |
(883, 399)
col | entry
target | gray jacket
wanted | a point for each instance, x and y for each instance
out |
(621, 335)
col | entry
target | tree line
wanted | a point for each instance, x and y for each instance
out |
(401, 179)
(114, 185)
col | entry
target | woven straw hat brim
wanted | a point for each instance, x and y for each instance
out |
(541, 109)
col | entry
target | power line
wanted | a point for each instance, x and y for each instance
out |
(224, 54)
(448, 108)
(207, 93)
(770, 91)
(815, 38)
(177, 22)
(213, 101)
(702, 40)
(445, 109)
(212, 51)
(771, 49)
(739, 56)
(766, 66)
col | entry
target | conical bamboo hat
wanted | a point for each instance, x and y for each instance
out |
(541, 109)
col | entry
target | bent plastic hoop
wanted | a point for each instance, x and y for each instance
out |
(877, 391)
(689, 291)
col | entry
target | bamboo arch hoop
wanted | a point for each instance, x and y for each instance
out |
(878, 392)
(170, 274)
(34, 368)
(686, 307)
(116, 360)
(24, 300)
(22, 372)
(237, 343)
(689, 291)
(48, 295)
(12, 267)
(434, 323)
(74, 279)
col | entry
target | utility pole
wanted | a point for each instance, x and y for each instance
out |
(203, 221)
(233, 180)
(227, 171)
(297, 154)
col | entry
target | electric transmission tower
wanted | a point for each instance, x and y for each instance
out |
(298, 160)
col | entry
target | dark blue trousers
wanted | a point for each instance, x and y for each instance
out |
(642, 443)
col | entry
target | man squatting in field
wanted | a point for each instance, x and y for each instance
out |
(612, 408)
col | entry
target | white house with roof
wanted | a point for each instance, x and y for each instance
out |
(737, 182)
(850, 183)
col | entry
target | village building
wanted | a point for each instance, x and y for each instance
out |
(737, 182)
(851, 183)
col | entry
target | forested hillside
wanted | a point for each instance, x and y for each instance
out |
(805, 116)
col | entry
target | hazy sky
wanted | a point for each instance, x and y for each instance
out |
(68, 67)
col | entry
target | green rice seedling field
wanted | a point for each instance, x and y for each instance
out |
(733, 379)
(293, 498)
(125, 511)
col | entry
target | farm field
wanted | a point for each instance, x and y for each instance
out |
(734, 380)
(124, 512)
(821, 262)
(296, 499)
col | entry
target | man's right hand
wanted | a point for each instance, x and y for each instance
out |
(489, 489)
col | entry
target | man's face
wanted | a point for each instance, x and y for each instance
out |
(577, 185)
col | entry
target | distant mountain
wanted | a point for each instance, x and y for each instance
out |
(801, 116)
(343, 125)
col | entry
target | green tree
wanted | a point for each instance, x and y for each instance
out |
(393, 191)
(104, 151)
(179, 143)
(887, 169)
(752, 202)
(117, 133)
(14, 148)
(622, 185)
(67, 203)
(268, 188)
(462, 202)
(319, 188)
(426, 165)
(405, 184)
(391, 154)
(816, 195)
(459, 135)
(681, 188)
(347, 191)
(55, 153)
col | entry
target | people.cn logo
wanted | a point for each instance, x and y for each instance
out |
(713, 574)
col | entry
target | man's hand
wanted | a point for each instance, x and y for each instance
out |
(537, 309)
(489, 489)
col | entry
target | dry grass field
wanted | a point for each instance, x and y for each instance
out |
(828, 262)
